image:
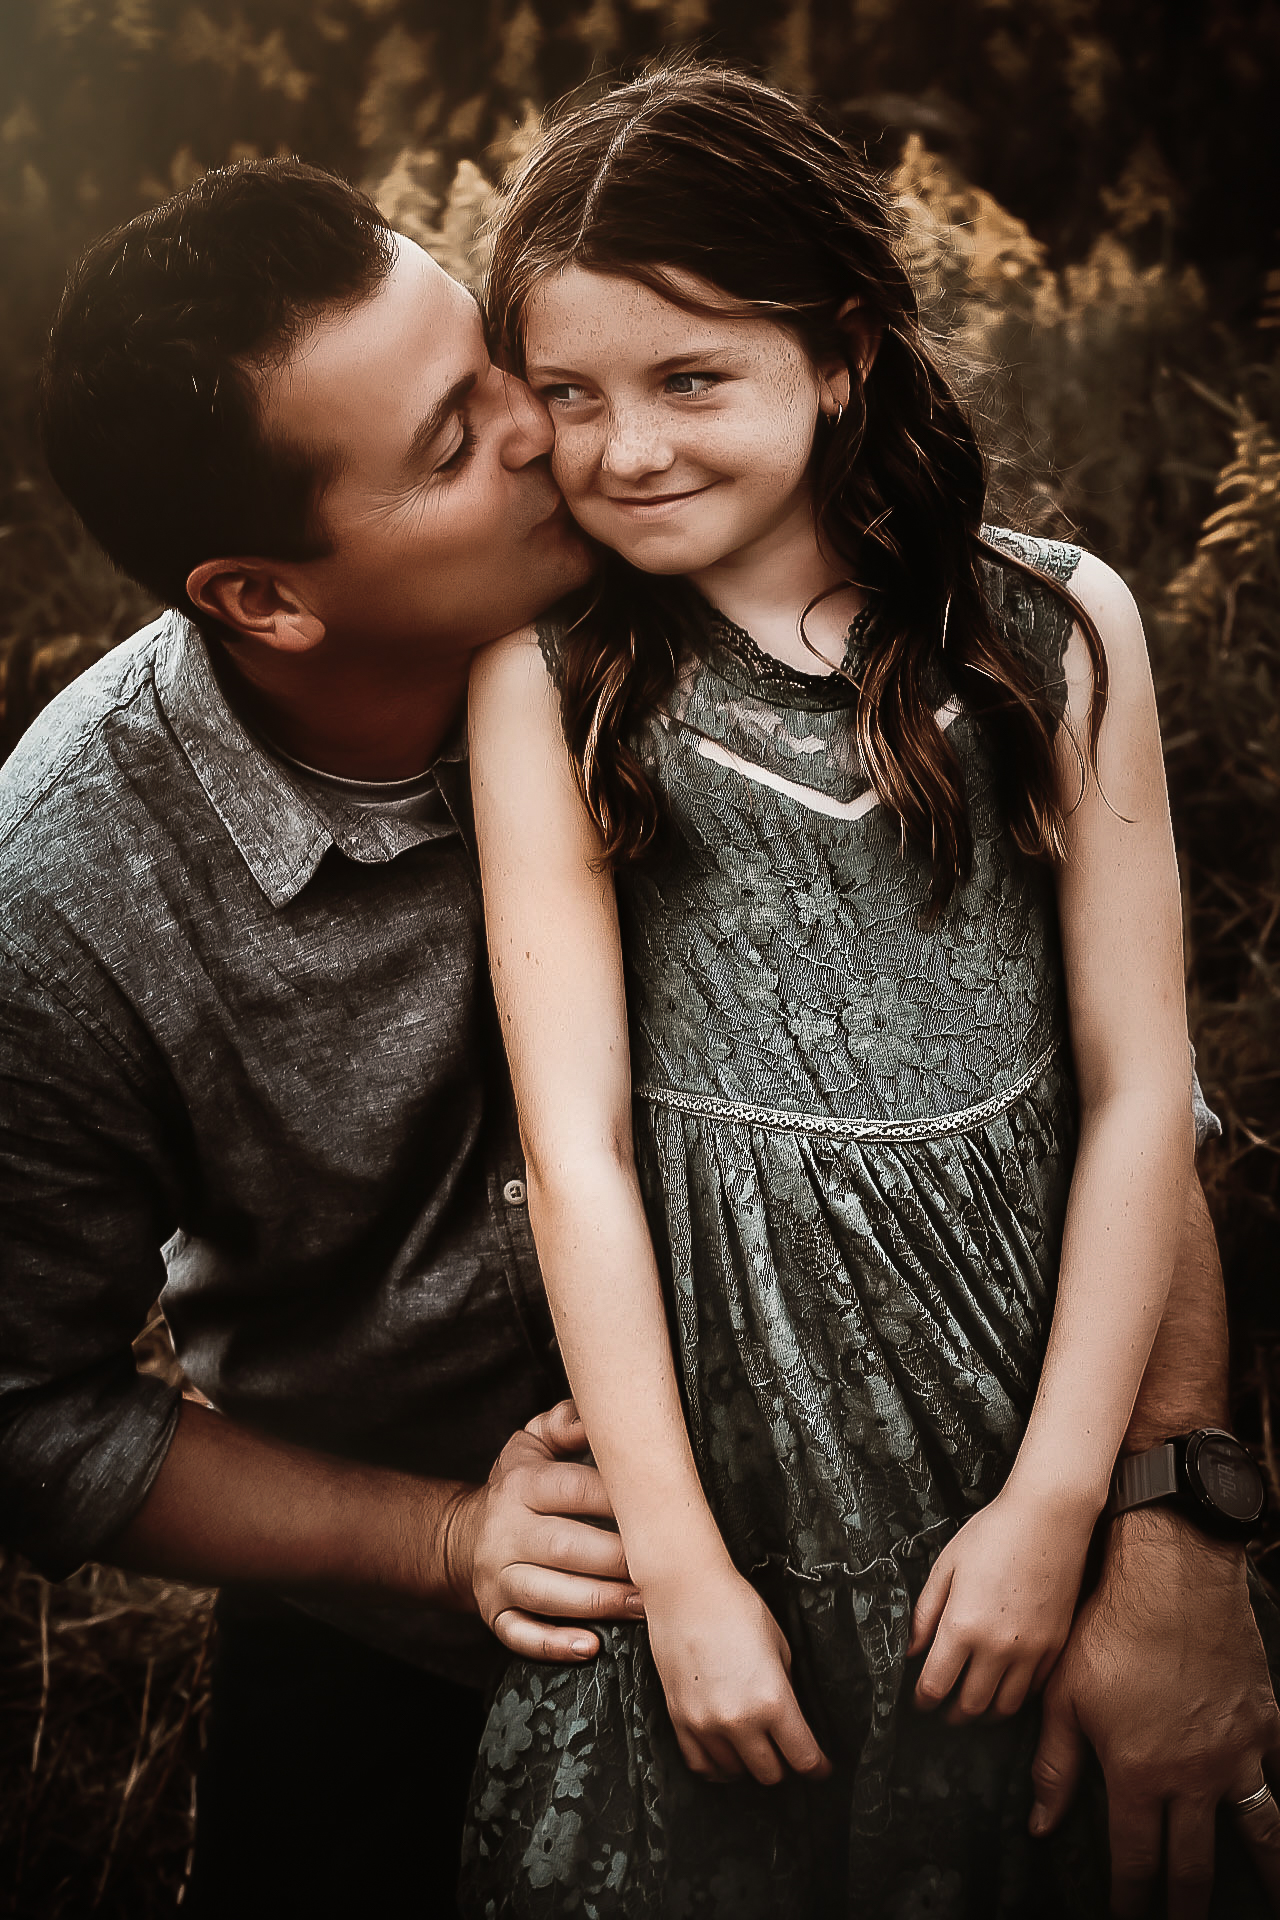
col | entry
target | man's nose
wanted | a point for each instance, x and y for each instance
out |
(634, 444)
(531, 433)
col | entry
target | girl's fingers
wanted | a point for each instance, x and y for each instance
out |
(726, 1762)
(1046, 1665)
(1013, 1690)
(760, 1758)
(981, 1681)
(929, 1609)
(696, 1757)
(794, 1741)
(941, 1670)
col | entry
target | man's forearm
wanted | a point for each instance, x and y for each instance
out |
(523, 1550)
(230, 1505)
(1184, 1387)
(1164, 1674)
(1185, 1384)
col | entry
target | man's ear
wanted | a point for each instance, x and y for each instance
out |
(258, 599)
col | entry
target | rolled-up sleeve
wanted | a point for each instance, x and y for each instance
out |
(87, 1202)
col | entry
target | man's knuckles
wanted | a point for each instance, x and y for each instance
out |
(1190, 1876)
(562, 1546)
(1134, 1864)
(530, 1484)
(558, 1428)
(1260, 1828)
(1049, 1779)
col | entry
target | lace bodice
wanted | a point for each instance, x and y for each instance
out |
(775, 949)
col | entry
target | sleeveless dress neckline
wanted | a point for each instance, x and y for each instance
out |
(778, 679)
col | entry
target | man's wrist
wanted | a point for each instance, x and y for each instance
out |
(1206, 1475)
(1164, 1534)
(379, 1530)
(1185, 1384)
(457, 1536)
(229, 1505)
(1146, 1431)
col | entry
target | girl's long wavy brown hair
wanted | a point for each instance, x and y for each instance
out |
(703, 170)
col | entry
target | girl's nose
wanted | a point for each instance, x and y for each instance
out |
(634, 444)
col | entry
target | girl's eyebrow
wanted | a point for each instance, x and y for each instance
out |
(708, 357)
(677, 363)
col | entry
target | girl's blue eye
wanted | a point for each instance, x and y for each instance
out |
(694, 384)
(565, 393)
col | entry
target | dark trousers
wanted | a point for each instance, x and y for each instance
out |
(334, 1778)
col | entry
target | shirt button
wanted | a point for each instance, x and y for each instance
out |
(513, 1193)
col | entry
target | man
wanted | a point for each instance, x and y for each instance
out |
(244, 1018)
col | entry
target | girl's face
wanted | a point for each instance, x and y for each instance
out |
(683, 440)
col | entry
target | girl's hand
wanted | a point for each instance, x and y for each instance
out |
(725, 1667)
(998, 1605)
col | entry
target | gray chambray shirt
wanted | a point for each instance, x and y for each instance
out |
(248, 1024)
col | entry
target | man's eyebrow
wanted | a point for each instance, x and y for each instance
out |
(429, 428)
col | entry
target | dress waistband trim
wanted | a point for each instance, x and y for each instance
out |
(932, 1127)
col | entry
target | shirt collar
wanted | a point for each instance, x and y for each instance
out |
(281, 828)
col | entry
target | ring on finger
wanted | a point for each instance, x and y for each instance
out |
(1252, 1801)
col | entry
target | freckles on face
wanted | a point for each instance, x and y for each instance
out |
(678, 432)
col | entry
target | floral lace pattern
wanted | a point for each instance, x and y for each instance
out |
(766, 670)
(859, 1323)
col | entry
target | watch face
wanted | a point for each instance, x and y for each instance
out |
(1228, 1477)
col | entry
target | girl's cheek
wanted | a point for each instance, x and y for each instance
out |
(571, 461)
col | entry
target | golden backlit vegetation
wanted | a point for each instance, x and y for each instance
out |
(1089, 192)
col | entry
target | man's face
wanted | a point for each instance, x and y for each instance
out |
(447, 528)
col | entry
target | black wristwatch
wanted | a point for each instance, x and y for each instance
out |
(1207, 1475)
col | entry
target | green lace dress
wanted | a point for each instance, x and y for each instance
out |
(855, 1138)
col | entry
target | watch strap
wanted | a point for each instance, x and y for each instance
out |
(1142, 1477)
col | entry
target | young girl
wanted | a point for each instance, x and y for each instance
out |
(901, 1051)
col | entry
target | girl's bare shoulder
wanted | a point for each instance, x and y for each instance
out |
(1104, 596)
(517, 645)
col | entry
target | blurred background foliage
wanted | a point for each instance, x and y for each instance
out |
(1090, 192)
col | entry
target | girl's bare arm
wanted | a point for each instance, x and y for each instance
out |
(557, 973)
(1001, 1595)
(1121, 921)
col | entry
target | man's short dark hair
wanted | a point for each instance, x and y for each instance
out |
(149, 412)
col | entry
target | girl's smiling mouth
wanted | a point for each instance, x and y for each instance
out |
(648, 502)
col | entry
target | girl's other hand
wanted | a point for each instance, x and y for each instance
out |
(997, 1607)
(725, 1667)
